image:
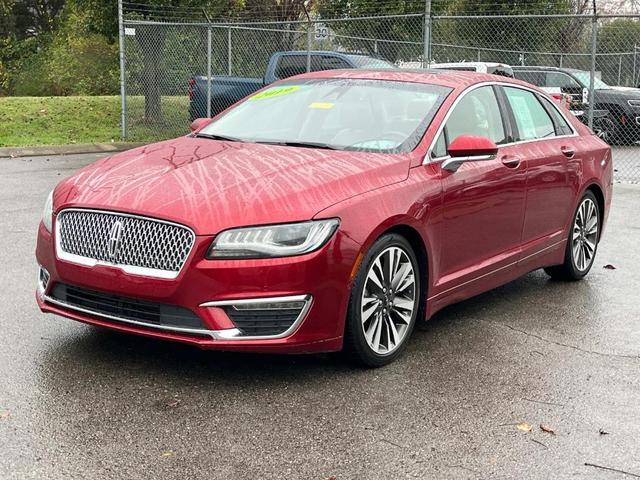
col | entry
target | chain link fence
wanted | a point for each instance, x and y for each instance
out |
(175, 72)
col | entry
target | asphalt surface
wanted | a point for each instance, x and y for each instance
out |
(79, 402)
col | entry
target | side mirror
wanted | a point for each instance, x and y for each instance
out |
(469, 148)
(198, 123)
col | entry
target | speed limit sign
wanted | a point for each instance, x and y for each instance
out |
(322, 31)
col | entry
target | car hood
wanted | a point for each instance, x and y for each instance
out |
(214, 185)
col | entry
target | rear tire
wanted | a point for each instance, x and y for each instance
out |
(582, 243)
(384, 302)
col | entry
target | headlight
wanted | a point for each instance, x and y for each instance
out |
(273, 240)
(47, 213)
(634, 103)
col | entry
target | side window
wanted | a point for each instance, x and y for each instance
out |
(290, 65)
(532, 119)
(332, 63)
(477, 113)
(535, 78)
(440, 148)
(562, 126)
(560, 80)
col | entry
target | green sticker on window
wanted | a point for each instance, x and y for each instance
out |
(275, 92)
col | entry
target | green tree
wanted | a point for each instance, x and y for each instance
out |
(621, 36)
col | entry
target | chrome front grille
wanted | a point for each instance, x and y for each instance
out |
(138, 245)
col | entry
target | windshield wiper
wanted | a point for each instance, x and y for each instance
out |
(324, 146)
(218, 137)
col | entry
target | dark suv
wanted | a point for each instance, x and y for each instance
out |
(623, 106)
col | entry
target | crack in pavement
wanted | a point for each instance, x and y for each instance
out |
(566, 345)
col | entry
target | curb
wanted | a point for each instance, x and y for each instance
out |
(15, 152)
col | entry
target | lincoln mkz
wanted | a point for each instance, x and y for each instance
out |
(329, 211)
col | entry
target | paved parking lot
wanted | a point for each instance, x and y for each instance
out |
(78, 402)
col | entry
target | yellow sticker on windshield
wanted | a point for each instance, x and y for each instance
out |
(321, 105)
(275, 92)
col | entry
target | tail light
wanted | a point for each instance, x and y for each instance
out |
(192, 83)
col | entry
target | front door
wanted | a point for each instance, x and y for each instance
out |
(483, 202)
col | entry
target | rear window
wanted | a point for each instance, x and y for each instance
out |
(362, 61)
(533, 77)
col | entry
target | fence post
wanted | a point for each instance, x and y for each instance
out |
(209, 71)
(561, 60)
(619, 69)
(229, 51)
(427, 34)
(592, 73)
(123, 85)
(309, 46)
(633, 77)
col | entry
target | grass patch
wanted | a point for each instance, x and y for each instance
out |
(29, 121)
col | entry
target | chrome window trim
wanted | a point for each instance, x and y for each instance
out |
(129, 269)
(231, 335)
(427, 158)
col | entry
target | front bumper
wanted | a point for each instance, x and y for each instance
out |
(204, 287)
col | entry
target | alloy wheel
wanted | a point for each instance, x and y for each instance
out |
(388, 300)
(585, 234)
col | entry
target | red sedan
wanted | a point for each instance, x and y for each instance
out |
(329, 211)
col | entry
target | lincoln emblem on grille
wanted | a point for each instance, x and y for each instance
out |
(114, 239)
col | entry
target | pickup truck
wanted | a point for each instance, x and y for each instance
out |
(227, 90)
(621, 107)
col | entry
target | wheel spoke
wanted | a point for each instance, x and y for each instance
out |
(576, 251)
(403, 316)
(394, 331)
(403, 303)
(370, 332)
(408, 281)
(378, 332)
(591, 246)
(373, 274)
(368, 312)
(391, 265)
(400, 274)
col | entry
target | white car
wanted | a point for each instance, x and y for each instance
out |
(480, 67)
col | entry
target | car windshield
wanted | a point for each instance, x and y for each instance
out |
(340, 114)
(362, 61)
(583, 77)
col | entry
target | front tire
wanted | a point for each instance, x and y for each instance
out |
(582, 243)
(384, 302)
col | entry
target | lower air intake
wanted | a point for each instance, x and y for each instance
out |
(117, 307)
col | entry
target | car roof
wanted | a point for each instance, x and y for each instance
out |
(448, 78)
(329, 52)
(470, 64)
(546, 69)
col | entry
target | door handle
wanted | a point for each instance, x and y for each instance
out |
(568, 152)
(510, 161)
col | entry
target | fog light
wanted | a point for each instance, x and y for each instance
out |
(274, 317)
(43, 279)
(270, 306)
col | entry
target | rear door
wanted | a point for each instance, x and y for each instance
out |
(546, 142)
(483, 201)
